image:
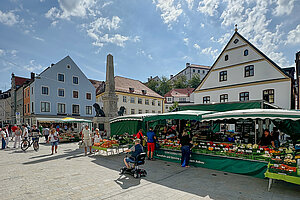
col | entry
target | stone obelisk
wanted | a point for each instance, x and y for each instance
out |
(109, 97)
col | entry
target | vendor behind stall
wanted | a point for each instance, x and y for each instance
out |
(266, 139)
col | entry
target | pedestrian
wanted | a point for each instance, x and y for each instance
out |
(46, 132)
(97, 136)
(53, 137)
(87, 140)
(6, 131)
(35, 133)
(150, 143)
(186, 143)
(18, 134)
(2, 134)
(13, 130)
(25, 133)
(140, 136)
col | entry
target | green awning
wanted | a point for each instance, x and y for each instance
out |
(221, 107)
(186, 115)
(136, 117)
(254, 114)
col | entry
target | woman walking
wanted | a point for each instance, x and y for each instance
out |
(186, 143)
(18, 133)
(2, 134)
(53, 137)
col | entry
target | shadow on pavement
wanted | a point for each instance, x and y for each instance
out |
(127, 181)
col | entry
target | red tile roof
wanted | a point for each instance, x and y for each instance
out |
(19, 81)
(99, 85)
(179, 92)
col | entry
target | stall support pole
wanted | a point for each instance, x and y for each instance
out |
(255, 133)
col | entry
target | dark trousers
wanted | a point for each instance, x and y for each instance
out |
(186, 152)
(46, 137)
(3, 143)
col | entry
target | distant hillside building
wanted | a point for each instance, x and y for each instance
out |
(182, 96)
(134, 96)
(190, 70)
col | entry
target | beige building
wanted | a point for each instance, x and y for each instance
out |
(134, 96)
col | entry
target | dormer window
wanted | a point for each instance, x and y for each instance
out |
(131, 90)
(144, 92)
(226, 57)
(236, 41)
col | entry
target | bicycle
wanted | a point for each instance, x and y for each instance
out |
(26, 143)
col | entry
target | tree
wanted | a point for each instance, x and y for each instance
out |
(174, 106)
(164, 86)
(195, 81)
(180, 82)
(153, 85)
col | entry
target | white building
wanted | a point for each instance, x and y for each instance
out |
(190, 70)
(243, 73)
(135, 97)
(181, 96)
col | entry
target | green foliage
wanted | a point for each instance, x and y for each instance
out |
(195, 81)
(180, 82)
(175, 105)
(164, 86)
(153, 85)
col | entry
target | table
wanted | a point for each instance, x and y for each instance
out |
(283, 177)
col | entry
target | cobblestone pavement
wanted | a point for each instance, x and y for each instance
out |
(71, 175)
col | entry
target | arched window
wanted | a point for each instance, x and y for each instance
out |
(246, 52)
(226, 57)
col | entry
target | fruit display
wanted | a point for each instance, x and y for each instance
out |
(107, 143)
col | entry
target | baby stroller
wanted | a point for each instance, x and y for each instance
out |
(136, 172)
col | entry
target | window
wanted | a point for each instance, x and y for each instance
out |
(61, 77)
(31, 91)
(140, 111)
(158, 103)
(32, 104)
(75, 109)
(28, 108)
(147, 101)
(75, 94)
(25, 109)
(199, 71)
(131, 90)
(147, 111)
(224, 98)
(223, 76)
(169, 99)
(132, 111)
(89, 96)
(203, 72)
(68, 67)
(75, 80)
(206, 99)
(153, 111)
(244, 96)
(45, 107)
(246, 52)
(226, 57)
(124, 99)
(140, 101)
(88, 110)
(61, 92)
(268, 95)
(45, 90)
(193, 70)
(132, 100)
(153, 102)
(61, 108)
(236, 41)
(158, 112)
(28, 92)
(249, 71)
(182, 99)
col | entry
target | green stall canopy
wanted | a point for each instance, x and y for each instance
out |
(221, 107)
(185, 114)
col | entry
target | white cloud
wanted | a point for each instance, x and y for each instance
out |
(186, 41)
(143, 53)
(116, 39)
(33, 67)
(202, 25)
(223, 39)
(190, 4)
(209, 51)
(67, 9)
(13, 52)
(294, 36)
(196, 46)
(169, 11)
(284, 7)
(107, 4)
(208, 7)
(38, 38)
(105, 23)
(2, 52)
(9, 18)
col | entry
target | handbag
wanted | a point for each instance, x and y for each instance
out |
(80, 144)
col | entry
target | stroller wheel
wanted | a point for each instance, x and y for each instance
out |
(136, 175)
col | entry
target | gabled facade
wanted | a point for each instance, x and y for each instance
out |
(61, 90)
(243, 73)
(181, 96)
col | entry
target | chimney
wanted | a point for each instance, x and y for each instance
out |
(52, 64)
(171, 76)
(187, 64)
(32, 76)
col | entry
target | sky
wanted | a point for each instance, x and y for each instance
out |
(146, 37)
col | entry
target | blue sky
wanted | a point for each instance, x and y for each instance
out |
(146, 37)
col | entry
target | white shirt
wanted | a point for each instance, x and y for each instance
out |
(53, 137)
(25, 132)
(97, 138)
(86, 133)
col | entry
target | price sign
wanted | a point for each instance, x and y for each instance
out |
(277, 157)
(217, 148)
(275, 165)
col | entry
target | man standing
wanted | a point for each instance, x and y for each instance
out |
(87, 139)
(150, 143)
(25, 133)
(6, 136)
